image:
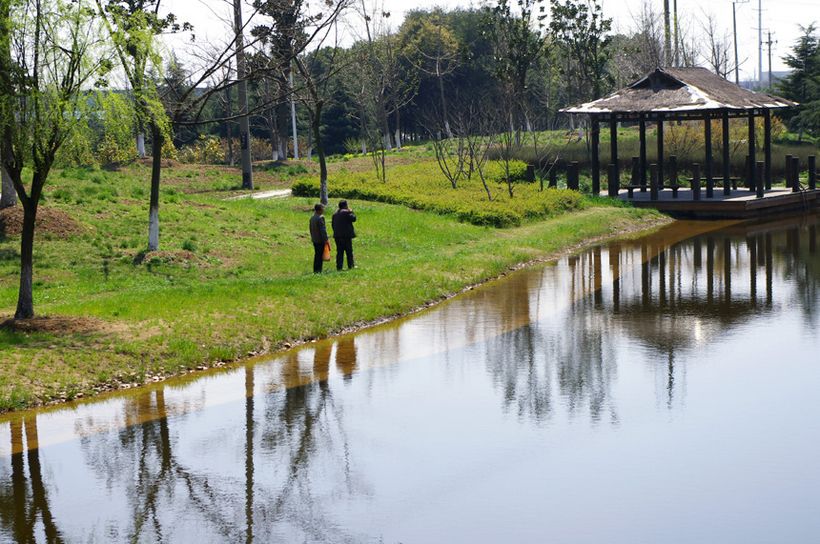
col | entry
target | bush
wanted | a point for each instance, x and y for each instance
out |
(208, 150)
(422, 186)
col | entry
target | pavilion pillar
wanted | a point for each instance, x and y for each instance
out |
(767, 147)
(596, 161)
(752, 153)
(613, 146)
(727, 171)
(660, 151)
(643, 164)
(707, 167)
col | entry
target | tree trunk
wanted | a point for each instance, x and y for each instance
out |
(274, 136)
(316, 123)
(444, 107)
(398, 129)
(363, 127)
(156, 172)
(244, 123)
(8, 196)
(141, 145)
(25, 297)
(388, 144)
(282, 125)
(229, 132)
(229, 124)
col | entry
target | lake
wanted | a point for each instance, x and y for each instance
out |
(661, 389)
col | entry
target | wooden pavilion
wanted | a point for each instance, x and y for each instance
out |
(684, 94)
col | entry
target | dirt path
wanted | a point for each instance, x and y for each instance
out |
(263, 195)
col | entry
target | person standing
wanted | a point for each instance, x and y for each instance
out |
(318, 235)
(343, 233)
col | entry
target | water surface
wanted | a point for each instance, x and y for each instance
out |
(656, 390)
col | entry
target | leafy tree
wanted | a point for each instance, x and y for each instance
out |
(803, 84)
(133, 26)
(518, 45)
(174, 88)
(433, 50)
(581, 31)
(54, 57)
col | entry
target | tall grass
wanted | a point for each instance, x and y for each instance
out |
(629, 146)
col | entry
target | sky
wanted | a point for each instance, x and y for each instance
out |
(781, 17)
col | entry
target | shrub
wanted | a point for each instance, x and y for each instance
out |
(422, 186)
(208, 150)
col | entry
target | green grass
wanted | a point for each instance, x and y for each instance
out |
(233, 277)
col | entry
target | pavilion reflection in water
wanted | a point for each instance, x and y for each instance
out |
(276, 458)
(674, 295)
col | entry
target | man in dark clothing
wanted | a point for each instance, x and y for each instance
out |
(343, 233)
(318, 235)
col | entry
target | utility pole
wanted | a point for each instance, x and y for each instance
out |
(769, 43)
(734, 30)
(241, 76)
(759, 41)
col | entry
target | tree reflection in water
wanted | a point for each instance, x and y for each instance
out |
(301, 425)
(24, 505)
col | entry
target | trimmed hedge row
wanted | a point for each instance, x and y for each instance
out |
(421, 186)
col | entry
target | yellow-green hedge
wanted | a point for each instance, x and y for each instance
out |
(422, 186)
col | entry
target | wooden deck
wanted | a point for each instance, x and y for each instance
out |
(740, 204)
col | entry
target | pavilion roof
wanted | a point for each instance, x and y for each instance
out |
(679, 90)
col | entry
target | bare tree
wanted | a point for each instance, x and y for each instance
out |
(717, 48)
(477, 125)
(451, 155)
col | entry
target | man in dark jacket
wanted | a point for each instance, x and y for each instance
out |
(318, 235)
(343, 233)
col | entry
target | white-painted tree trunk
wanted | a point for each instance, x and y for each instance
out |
(141, 145)
(398, 139)
(275, 154)
(364, 147)
(153, 230)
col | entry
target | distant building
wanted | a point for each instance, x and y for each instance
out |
(764, 84)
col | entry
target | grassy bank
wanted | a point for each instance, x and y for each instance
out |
(233, 277)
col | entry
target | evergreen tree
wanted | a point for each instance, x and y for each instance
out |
(803, 84)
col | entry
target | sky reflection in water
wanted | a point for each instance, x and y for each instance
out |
(655, 390)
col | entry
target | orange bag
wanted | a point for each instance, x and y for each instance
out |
(326, 252)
